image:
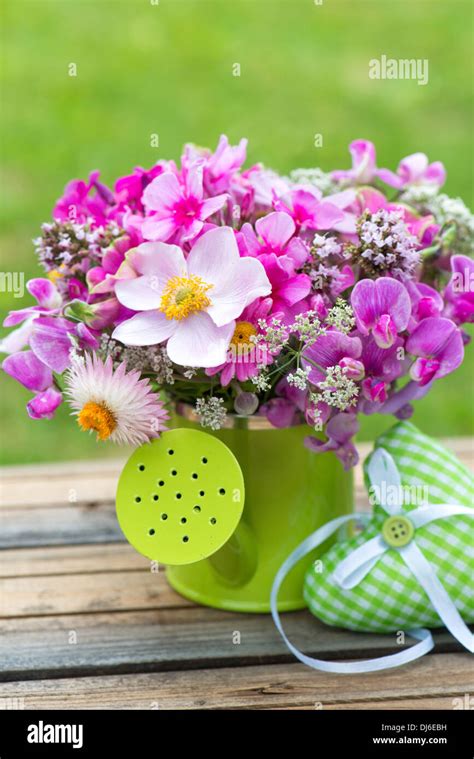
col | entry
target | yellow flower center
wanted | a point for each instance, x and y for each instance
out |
(242, 334)
(96, 416)
(183, 296)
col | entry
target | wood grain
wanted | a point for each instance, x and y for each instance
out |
(171, 637)
(436, 679)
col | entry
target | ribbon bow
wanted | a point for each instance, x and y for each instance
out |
(382, 470)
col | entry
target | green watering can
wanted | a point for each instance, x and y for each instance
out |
(223, 510)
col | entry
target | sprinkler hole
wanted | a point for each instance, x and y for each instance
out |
(142, 467)
(161, 483)
(164, 517)
(155, 497)
(185, 539)
(183, 520)
(201, 493)
(213, 520)
(170, 452)
(204, 460)
(221, 491)
(194, 476)
(137, 499)
(174, 472)
(151, 532)
(197, 509)
(178, 496)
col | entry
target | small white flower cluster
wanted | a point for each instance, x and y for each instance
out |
(326, 246)
(148, 360)
(338, 390)
(211, 412)
(341, 316)
(274, 335)
(448, 210)
(386, 244)
(315, 177)
(307, 326)
(260, 380)
(299, 379)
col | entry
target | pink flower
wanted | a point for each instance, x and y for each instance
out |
(439, 346)
(220, 166)
(340, 430)
(129, 189)
(382, 308)
(330, 349)
(44, 405)
(178, 208)
(381, 367)
(49, 301)
(244, 358)
(289, 289)
(459, 293)
(78, 205)
(415, 169)
(308, 209)
(364, 168)
(275, 234)
(190, 303)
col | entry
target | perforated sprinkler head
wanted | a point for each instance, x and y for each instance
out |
(180, 497)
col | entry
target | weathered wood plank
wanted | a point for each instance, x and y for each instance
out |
(59, 526)
(86, 592)
(70, 559)
(435, 680)
(170, 638)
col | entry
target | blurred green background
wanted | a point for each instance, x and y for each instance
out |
(145, 68)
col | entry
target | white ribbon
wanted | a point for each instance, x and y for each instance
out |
(352, 570)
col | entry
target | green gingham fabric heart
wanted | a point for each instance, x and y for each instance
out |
(390, 598)
(413, 563)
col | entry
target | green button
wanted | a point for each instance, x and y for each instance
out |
(398, 531)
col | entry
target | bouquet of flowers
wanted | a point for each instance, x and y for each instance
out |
(310, 298)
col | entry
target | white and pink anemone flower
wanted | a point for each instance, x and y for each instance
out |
(190, 303)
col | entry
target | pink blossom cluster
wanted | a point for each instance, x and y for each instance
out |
(305, 301)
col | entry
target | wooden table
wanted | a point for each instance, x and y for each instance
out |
(85, 623)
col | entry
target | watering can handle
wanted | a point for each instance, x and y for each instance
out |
(424, 637)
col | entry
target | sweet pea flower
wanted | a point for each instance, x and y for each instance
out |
(333, 348)
(255, 189)
(382, 307)
(364, 168)
(44, 405)
(220, 166)
(78, 205)
(275, 234)
(178, 208)
(381, 367)
(459, 293)
(129, 189)
(28, 370)
(426, 301)
(49, 301)
(289, 289)
(308, 209)
(439, 346)
(415, 169)
(340, 430)
(192, 303)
